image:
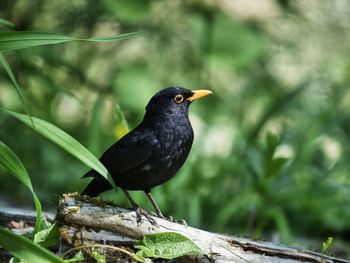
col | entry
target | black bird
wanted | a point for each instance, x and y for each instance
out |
(154, 151)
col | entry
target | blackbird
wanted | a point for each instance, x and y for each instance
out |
(153, 152)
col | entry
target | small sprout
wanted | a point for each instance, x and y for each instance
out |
(325, 246)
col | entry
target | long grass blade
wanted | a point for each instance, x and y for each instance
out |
(6, 22)
(94, 130)
(25, 249)
(10, 161)
(111, 38)
(66, 142)
(12, 40)
(15, 85)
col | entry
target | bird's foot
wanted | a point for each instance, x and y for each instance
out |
(139, 213)
(160, 215)
(181, 222)
(170, 218)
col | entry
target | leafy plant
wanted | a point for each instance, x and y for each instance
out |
(26, 249)
(98, 257)
(325, 246)
(48, 236)
(76, 258)
(166, 245)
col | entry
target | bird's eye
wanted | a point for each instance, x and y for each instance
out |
(178, 98)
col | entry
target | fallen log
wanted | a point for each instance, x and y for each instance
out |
(91, 213)
(85, 219)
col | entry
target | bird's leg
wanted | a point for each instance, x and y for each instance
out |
(159, 213)
(139, 211)
(150, 197)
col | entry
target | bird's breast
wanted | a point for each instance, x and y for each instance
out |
(176, 143)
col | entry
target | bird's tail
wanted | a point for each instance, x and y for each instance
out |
(96, 186)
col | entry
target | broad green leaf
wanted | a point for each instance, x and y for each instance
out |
(77, 257)
(65, 141)
(14, 83)
(10, 161)
(6, 22)
(11, 40)
(25, 249)
(166, 245)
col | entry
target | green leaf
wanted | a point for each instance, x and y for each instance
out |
(6, 22)
(166, 245)
(14, 83)
(12, 40)
(10, 161)
(66, 142)
(131, 11)
(98, 257)
(77, 257)
(326, 245)
(95, 125)
(16, 260)
(25, 249)
(48, 237)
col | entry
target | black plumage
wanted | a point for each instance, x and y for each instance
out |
(154, 151)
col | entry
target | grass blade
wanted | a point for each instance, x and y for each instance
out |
(10, 161)
(25, 249)
(66, 142)
(94, 129)
(15, 84)
(111, 38)
(6, 22)
(12, 40)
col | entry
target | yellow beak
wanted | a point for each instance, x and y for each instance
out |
(199, 94)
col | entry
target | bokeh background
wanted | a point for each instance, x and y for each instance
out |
(271, 153)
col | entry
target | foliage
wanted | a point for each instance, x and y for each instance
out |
(65, 141)
(24, 248)
(12, 40)
(166, 245)
(98, 257)
(325, 246)
(76, 258)
(10, 161)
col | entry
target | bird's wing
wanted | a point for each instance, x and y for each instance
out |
(130, 151)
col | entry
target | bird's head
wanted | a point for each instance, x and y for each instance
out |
(173, 101)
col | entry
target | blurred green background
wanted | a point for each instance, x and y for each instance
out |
(271, 153)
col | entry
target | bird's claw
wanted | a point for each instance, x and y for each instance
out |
(182, 222)
(154, 214)
(139, 213)
(171, 219)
